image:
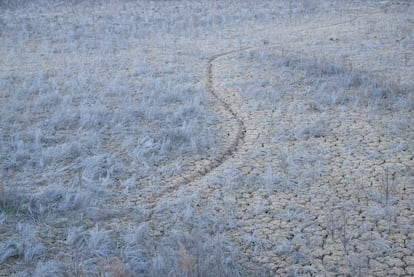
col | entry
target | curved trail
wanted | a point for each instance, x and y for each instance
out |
(232, 148)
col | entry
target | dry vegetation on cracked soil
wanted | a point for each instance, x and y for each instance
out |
(206, 138)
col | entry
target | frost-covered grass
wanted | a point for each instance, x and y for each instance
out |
(99, 102)
(104, 106)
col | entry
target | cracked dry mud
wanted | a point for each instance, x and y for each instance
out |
(314, 223)
(304, 202)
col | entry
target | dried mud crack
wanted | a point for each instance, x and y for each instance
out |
(259, 233)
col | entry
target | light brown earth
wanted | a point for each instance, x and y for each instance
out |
(325, 225)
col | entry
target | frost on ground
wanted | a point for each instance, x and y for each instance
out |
(159, 138)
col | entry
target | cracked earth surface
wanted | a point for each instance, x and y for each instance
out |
(308, 200)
